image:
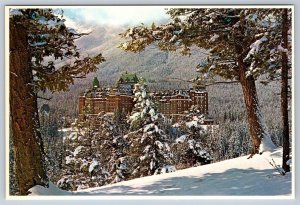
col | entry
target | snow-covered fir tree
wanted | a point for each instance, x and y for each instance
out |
(52, 142)
(82, 167)
(95, 154)
(238, 142)
(192, 147)
(118, 169)
(145, 110)
(111, 145)
(148, 151)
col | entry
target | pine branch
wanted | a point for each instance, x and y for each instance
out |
(222, 82)
(190, 81)
(81, 77)
(44, 98)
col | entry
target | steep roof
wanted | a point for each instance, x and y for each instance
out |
(128, 77)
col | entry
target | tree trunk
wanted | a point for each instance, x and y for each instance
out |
(256, 128)
(284, 94)
(27, 142)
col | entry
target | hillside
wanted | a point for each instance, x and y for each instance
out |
(152, 63)
(235, 177)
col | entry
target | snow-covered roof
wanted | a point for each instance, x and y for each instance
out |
(200, 92)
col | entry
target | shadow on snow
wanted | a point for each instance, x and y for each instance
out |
(233, 182)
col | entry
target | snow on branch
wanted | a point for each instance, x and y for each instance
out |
(255, 47)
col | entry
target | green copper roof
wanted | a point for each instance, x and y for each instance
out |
(129, 77)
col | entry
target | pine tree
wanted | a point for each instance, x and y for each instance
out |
(94, 154)
(144, 111)
(82, 167)
(148, 150)
(51, 139)
(238, 42)
(111, 145)
(34, 35)
(278, 56)
(192, 147)
(118, 166)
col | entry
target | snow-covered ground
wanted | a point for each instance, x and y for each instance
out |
(235, 177)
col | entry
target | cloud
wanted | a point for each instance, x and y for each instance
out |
(79, 26)
(115, 15)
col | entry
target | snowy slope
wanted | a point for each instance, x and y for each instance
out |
(235, 177)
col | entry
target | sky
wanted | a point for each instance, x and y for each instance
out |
(114, 15)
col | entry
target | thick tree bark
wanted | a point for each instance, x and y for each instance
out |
(284, 94)
(257, 131)
(27, 142)
(251, 102)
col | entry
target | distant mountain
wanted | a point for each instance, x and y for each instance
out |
(161, 69)
(152, 63)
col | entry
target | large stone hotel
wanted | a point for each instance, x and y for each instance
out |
(171, 103)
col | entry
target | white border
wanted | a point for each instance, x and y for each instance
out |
(126, 197)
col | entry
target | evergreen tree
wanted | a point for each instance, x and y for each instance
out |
(148, 150)
(36, 35)
(145, 110)
(94, 154)
(111, 145)
(82, 167)
(118, 161)
(193, 146)
(52, 141)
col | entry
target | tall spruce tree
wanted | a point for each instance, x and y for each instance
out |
(239, 42)
(148, 151)
(38, 41)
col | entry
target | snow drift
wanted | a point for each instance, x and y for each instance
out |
(235, 177)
